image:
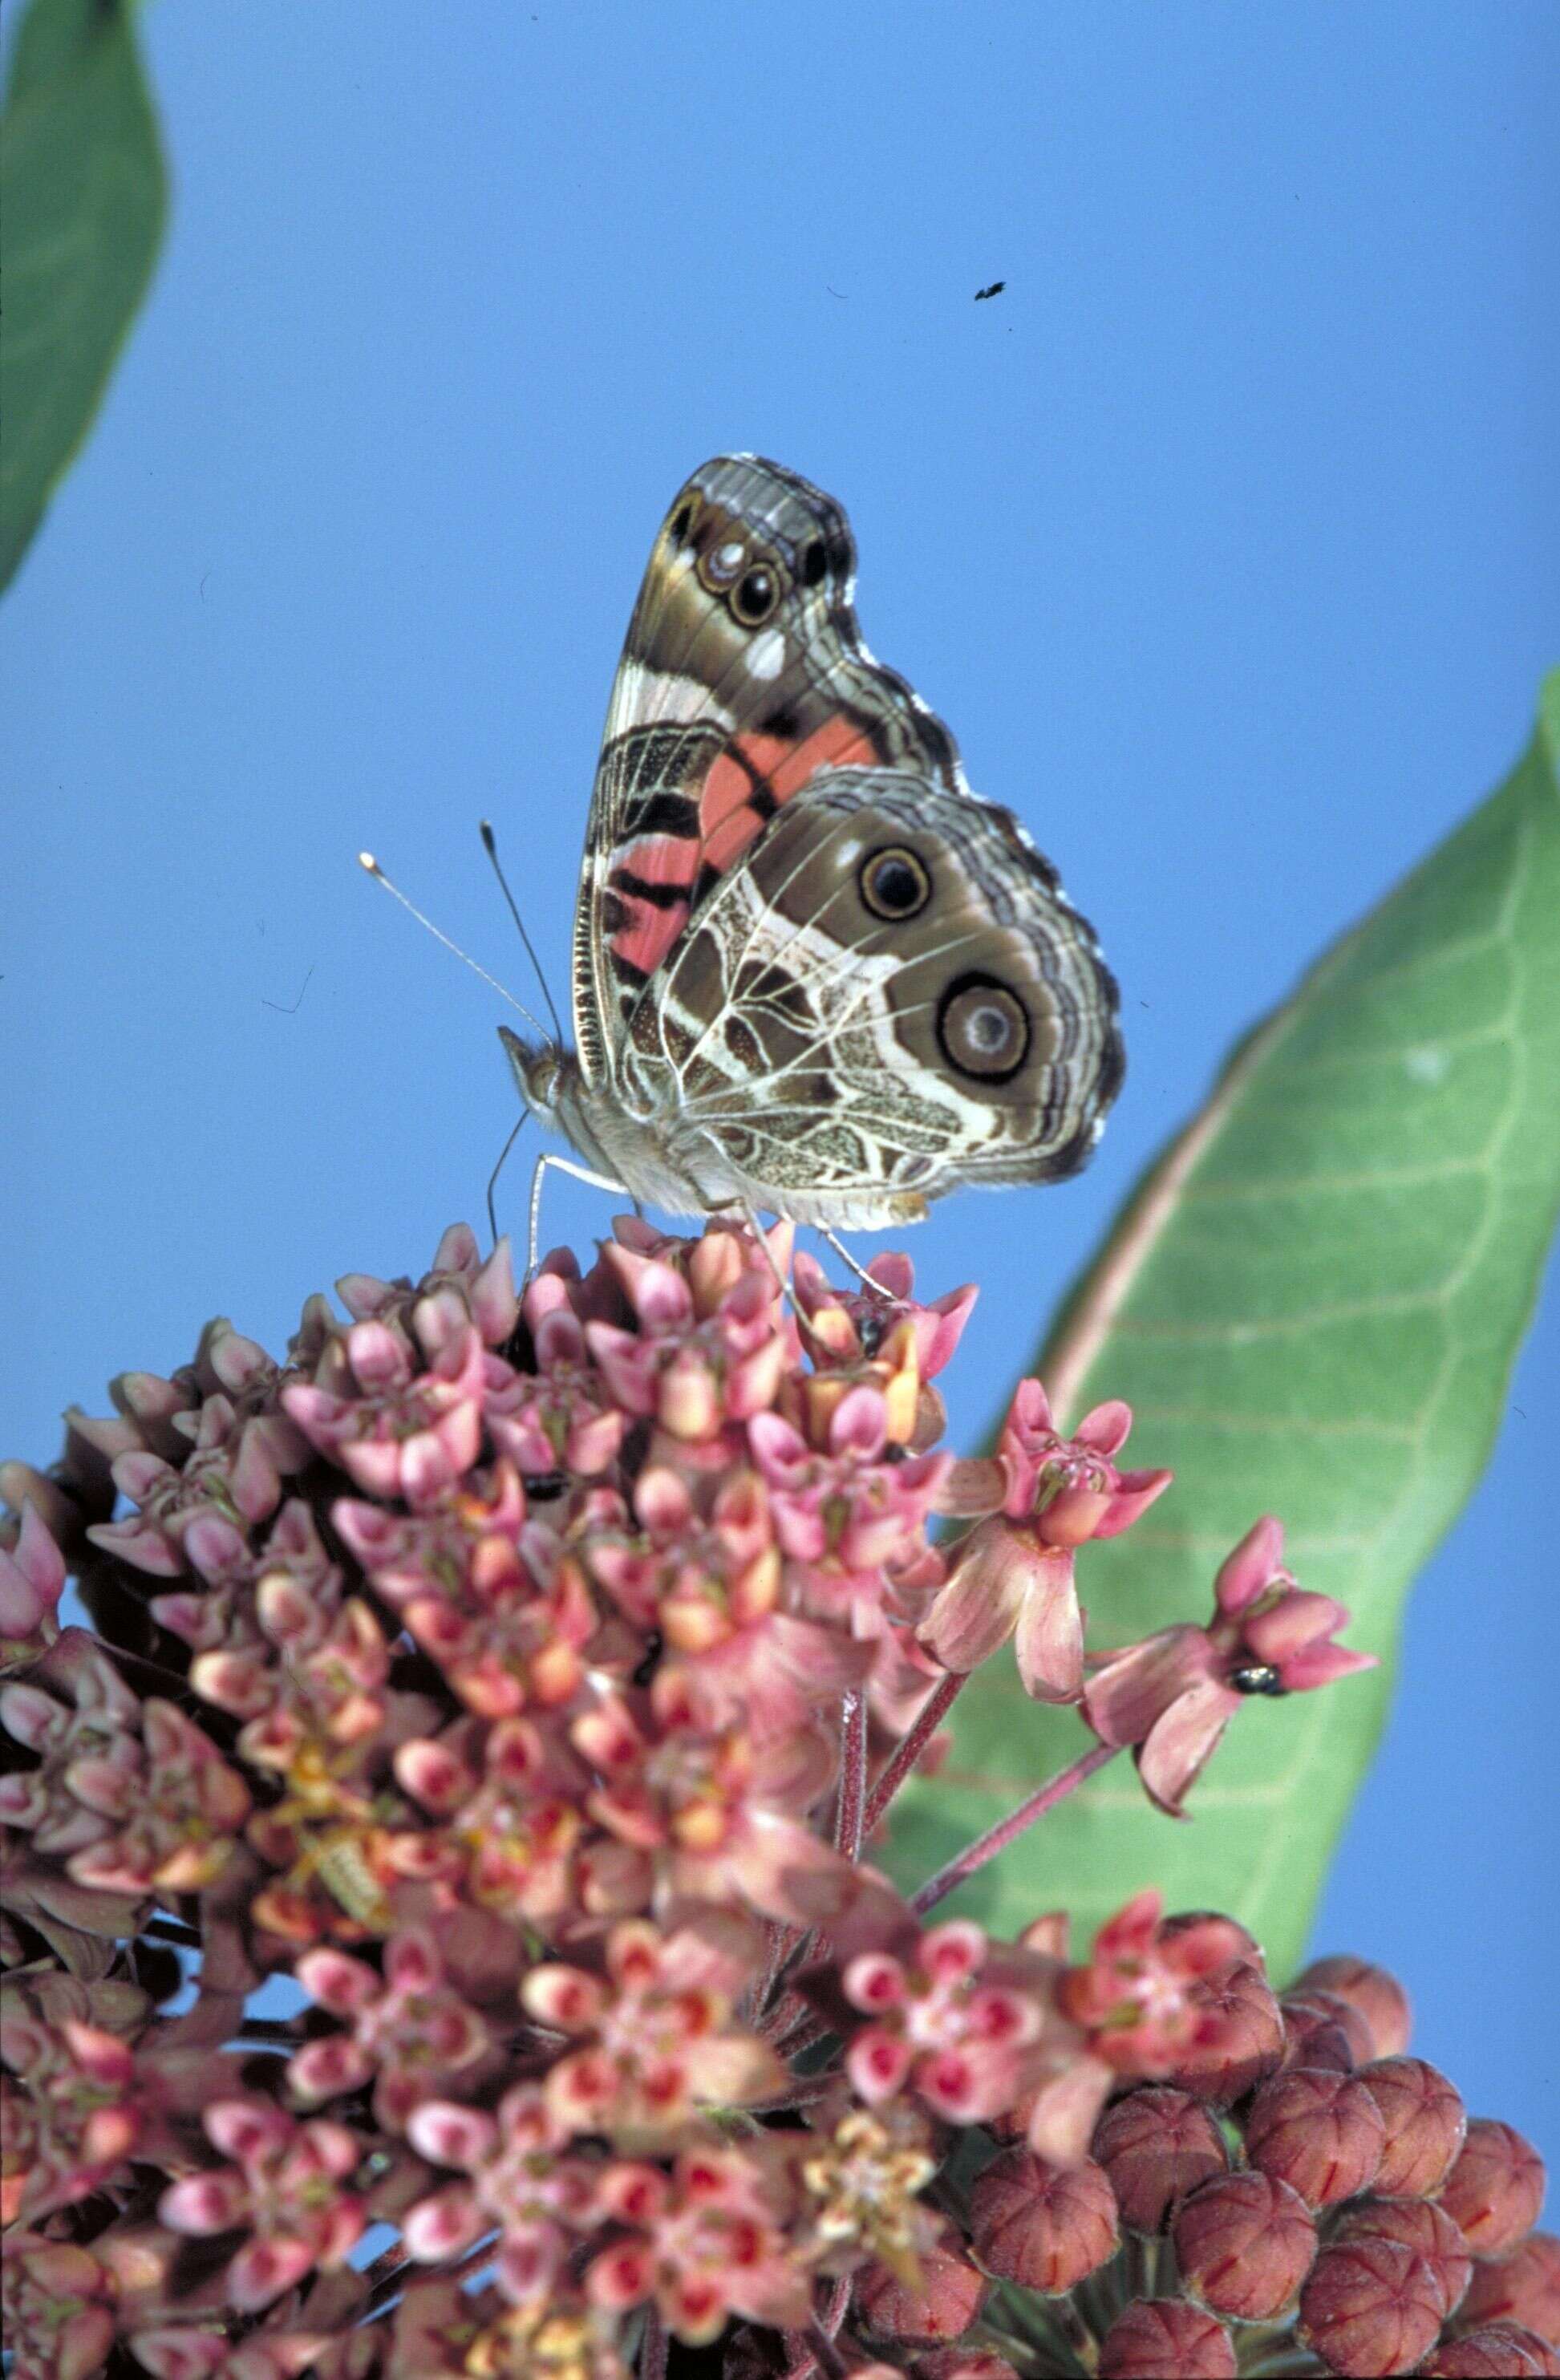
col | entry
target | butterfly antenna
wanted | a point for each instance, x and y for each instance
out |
(371, 866)
(490, 844)
(493, 1177)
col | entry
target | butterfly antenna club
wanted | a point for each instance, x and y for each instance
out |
(371, 866)
(490, 844)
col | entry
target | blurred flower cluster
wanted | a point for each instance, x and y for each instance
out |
(442, 1928)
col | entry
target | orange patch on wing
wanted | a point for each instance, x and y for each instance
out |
(731, 838)
(644, 940)
(729, 785)
(728, 821)
(838, 743)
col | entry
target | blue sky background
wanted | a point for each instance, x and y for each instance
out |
(1227, 540)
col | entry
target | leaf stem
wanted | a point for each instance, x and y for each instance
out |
(986, 1847)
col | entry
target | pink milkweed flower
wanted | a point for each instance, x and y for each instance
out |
(1044, 1496)
(562, 1419)
(283, 2187)
(1002, 1584)
(950, 2021)
(235, 1470)
(654, 2040)
(845, 1513)
(703, 2241)
(32, 1582)
(129, 1795)
(320, 1677)
(1135, 1998)
(482, 1589)
(409, 2029)
(850, 1328)
(60, 2307)
(1172, 1695)
(509, 1825)
(720, 1817)
(461, 1286)
(408, 1430)
(713, 1265)
(880, 1337)
(522, 2175)
(697, 1361)
(77, 2109)
(219, 1614)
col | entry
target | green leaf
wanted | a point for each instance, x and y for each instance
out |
(1313, 1302)
(82, 201)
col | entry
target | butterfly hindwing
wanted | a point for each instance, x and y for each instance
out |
(887, 998)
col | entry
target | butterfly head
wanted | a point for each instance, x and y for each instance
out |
(540, 1068)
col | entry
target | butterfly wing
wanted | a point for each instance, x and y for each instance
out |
(742, 673)
(888, 1000)
(816, 966)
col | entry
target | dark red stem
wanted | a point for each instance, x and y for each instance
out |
(848, 1817)
(908, 1753)
(1008, 1831)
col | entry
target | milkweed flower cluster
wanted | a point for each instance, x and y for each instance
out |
(441, 1916)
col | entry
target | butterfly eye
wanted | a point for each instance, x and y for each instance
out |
(983, 1030)
(894, 884)
(754, 597)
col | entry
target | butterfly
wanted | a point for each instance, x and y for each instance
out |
(811, 971)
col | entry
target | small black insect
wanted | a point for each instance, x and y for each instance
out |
(994, 291)
(1257, 1678)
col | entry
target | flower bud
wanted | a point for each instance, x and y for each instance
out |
(1495, 2188)
(942, 2302)
(1155, 2146)
(1321, 2133)
(1244, 2243)
(1379, 1997)
(1415, 2223)
(1043, 2226)
(1246, 2036)
(1320, 2029)
(1497, 2350)
(1166, 2339)
(1425, 2124)
(956, 2363)
(1522, 2287)
(1372, 2307)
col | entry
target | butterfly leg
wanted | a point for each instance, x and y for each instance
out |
(750, 1216)
(579, 1173)
(846, 1259)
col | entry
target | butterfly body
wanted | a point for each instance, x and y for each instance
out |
(813, 972)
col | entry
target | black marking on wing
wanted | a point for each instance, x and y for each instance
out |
(662, 813)
(655, 897)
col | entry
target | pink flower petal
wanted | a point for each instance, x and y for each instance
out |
(1251, 1567)
(1105, 1429)
(978, 1608)
(1049, 1640)
(1180, 1745)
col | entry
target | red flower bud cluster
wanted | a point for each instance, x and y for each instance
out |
(437, 1931)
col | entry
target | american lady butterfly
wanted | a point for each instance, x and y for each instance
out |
(813, 972)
